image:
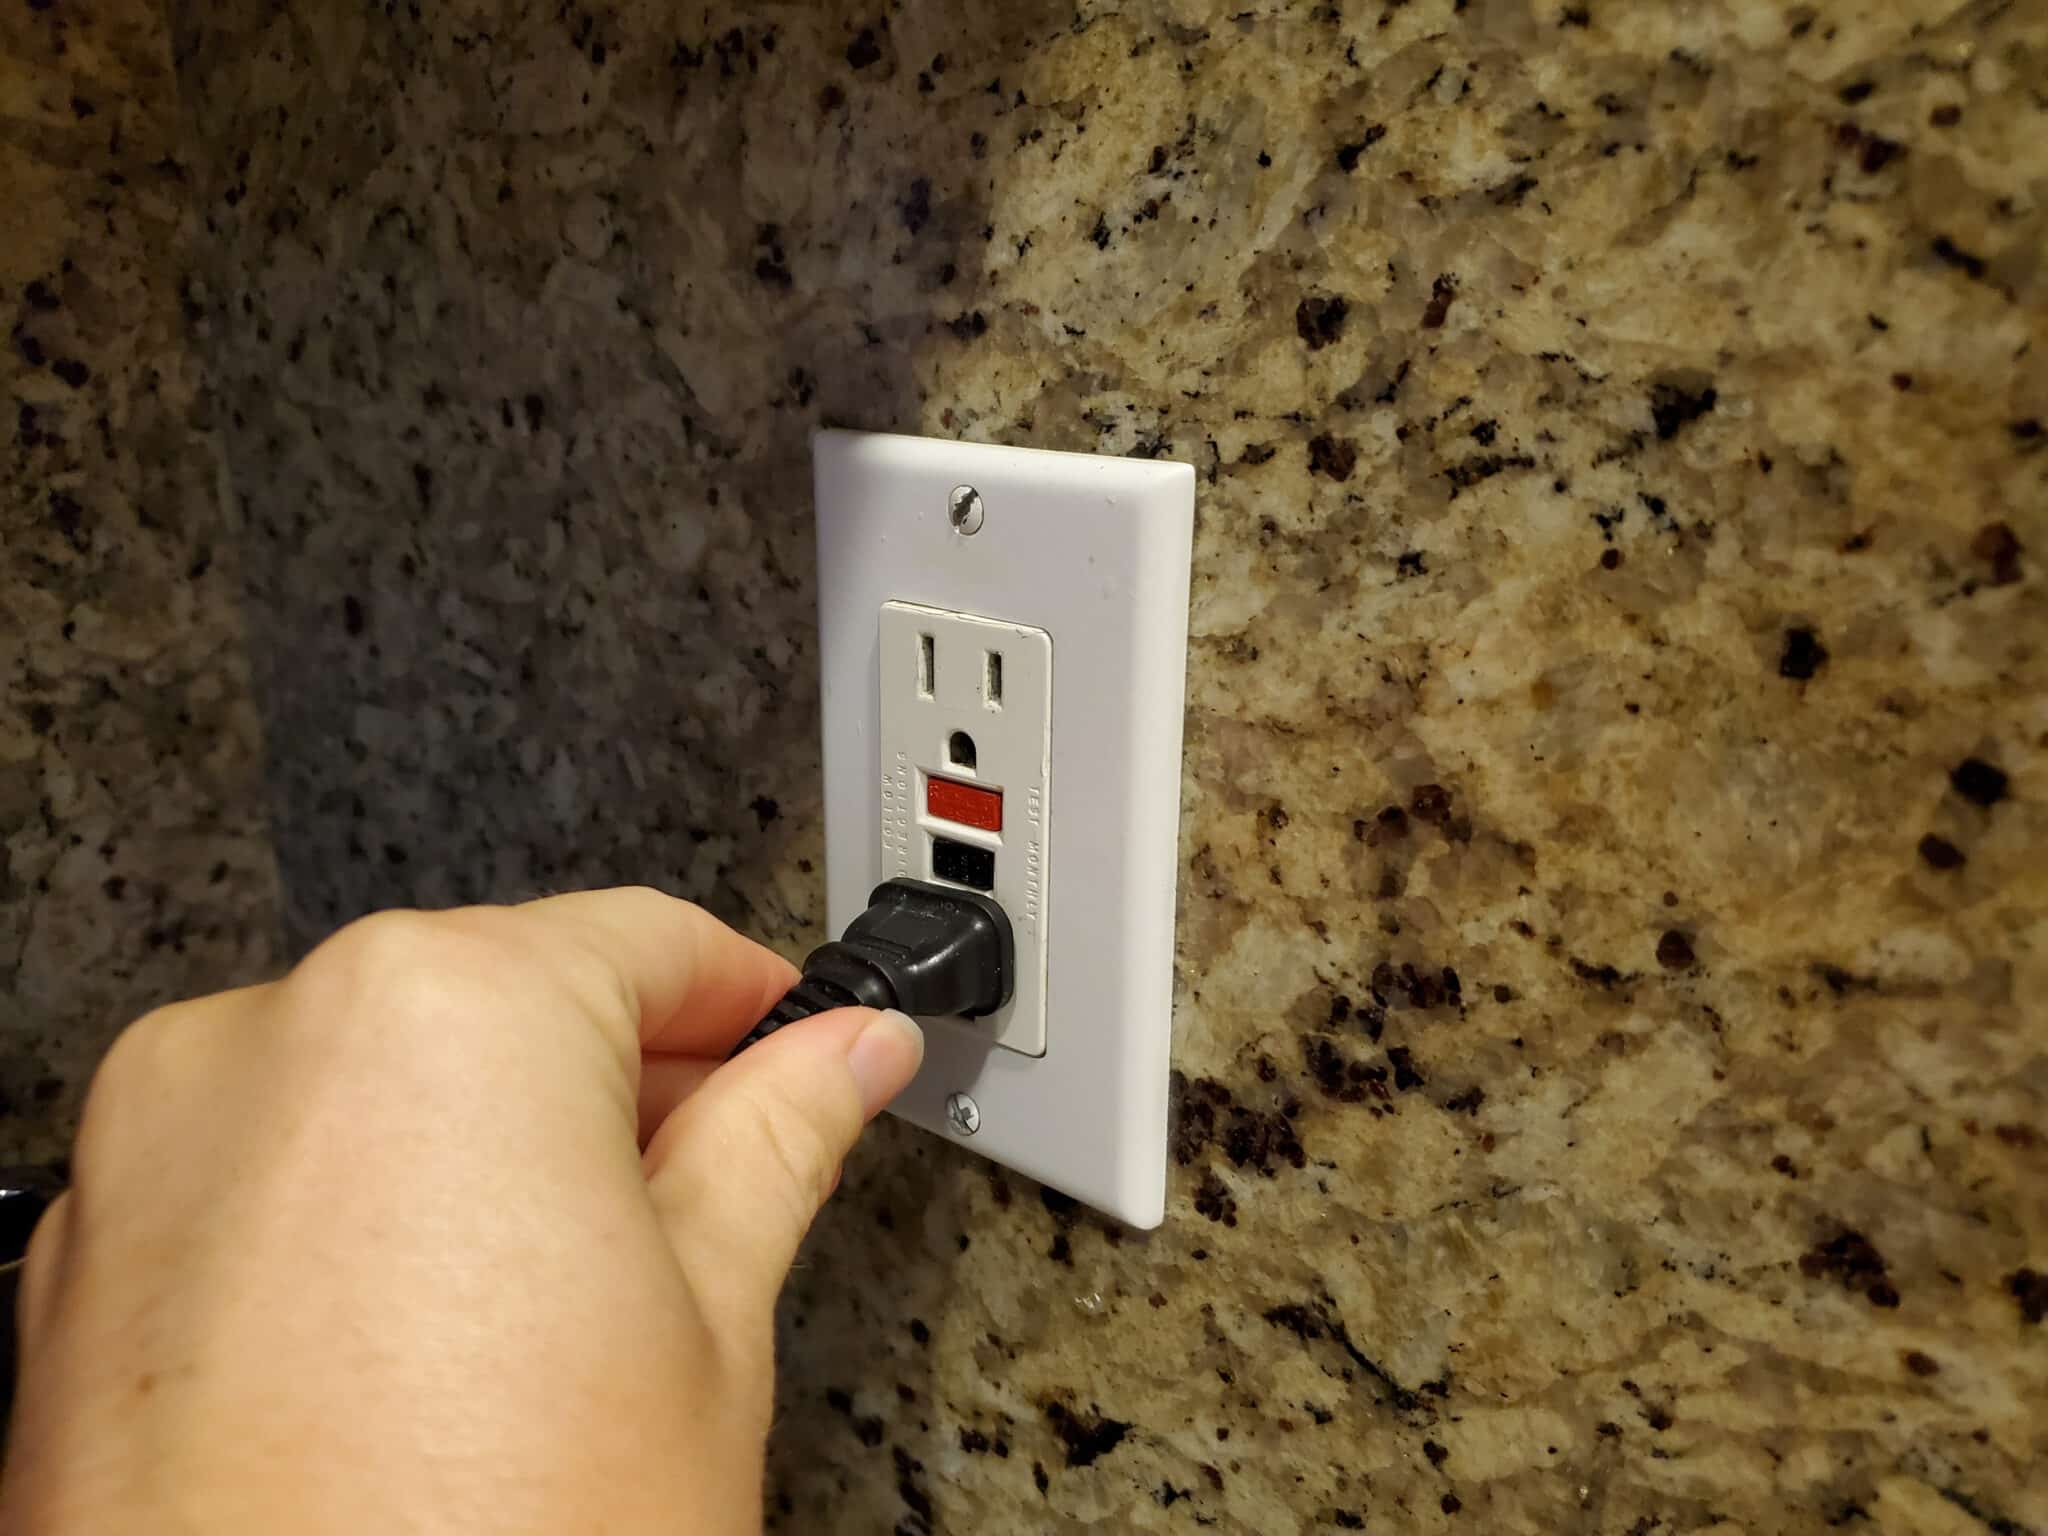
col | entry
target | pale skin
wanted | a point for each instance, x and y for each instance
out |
(461, 1226)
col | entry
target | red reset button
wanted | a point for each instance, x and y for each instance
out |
(968, 804)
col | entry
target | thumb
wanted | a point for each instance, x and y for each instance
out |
(740, 1169)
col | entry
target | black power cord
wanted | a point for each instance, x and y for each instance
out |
(922, 949)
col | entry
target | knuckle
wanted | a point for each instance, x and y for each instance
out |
(137, 1053)
(594, 982)
(470, 963)
(143, 1067)
(648, 896)
(383, 944)
(410, 960)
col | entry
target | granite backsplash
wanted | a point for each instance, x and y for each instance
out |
(135, 858)
(1612, 1084)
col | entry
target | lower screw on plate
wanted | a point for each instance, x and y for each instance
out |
(963, 1114)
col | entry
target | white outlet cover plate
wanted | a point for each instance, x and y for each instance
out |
(1095, 551)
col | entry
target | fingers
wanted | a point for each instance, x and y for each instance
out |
(739, 1171)
(665, 1081)
(697, 985)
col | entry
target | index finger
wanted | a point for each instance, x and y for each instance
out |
(696, 985)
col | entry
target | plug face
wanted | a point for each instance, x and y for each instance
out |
(1003, 648)
(966, 735)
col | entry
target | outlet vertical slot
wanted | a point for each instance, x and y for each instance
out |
(992, 679)
(927, 666)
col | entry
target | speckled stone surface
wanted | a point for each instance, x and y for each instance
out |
(1613, 1070)
(135, 863)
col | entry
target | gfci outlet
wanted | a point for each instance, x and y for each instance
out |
(1003, 635)
(966, 759)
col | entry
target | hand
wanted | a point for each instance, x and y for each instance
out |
(461, 1225)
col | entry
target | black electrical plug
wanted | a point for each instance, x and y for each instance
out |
(919, 948)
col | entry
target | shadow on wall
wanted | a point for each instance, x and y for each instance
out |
(519, 337)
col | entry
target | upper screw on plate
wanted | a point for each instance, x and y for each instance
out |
(965, 509)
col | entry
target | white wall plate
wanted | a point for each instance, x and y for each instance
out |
(1093, 552)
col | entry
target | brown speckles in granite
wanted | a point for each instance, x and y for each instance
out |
(915, 208)
(1315, 1322)
(1968, 263)
(1340, 1077)
(1939, 853)
(1466, 1102)
(1873, 151)
(1214, 1200)
(2030, 1290)
(866, 48)
(1441, 294)
(1801, 654)
(1999, 548)
(1674, 950)
(1389, 824)
(1348, 154)
(1678, 401)
(1478, 467)
(1332, 457)
(1849, 1259)
(1979, 782)
(1319, 320)
(1431, 803)
(1087, 1437)
(1065, 1209)
(911, 1489)
(1406, 1074)
(1602, 974)
(1408, 986)
(771, 264)
(1204, 1114)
